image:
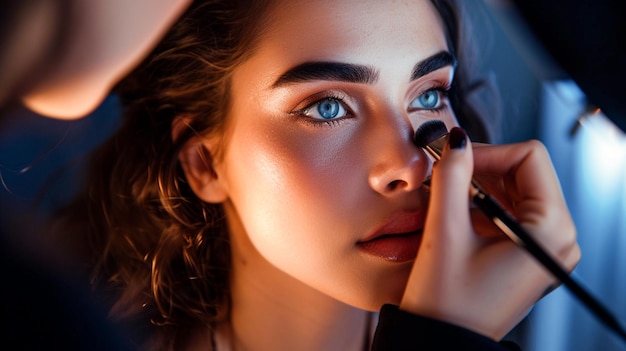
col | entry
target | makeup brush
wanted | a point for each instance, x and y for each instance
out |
(432, 136)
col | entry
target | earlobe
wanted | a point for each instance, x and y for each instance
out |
(198, 165)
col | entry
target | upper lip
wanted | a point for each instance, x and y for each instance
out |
(397, 224)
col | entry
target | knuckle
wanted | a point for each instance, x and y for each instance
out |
(568, 251)
(536, 146)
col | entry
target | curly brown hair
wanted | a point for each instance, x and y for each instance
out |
(159, 251)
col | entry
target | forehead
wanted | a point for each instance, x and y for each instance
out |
(349, 29)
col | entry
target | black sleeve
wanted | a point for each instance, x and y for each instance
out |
(400, 330)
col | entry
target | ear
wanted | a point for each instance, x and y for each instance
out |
(198, 164)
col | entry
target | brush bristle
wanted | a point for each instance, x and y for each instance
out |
(429, 132)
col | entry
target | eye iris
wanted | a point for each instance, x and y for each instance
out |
(429, 99)
(328, 108)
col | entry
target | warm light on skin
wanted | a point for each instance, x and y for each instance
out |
(306, 194)
(300, 196)
(107, 40)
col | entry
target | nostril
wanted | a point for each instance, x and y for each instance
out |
(395, 184)
(400, 172)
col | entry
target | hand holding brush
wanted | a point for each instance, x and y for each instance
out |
(433, 137)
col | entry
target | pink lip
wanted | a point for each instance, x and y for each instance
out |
(398, 239)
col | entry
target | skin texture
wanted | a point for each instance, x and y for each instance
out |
(300, 196)
(105, 40)
(305, 194)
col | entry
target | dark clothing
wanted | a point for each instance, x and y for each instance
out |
(400, 330)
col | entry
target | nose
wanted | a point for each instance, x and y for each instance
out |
(399, 166)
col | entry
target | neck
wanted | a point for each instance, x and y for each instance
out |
(294, 319)
(273, 311)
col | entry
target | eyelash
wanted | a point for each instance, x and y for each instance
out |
(442, 89)
(324, 122)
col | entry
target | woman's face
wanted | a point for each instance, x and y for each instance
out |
(321, 175)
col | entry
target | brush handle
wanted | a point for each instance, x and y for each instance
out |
(490, 207)
(519, 236)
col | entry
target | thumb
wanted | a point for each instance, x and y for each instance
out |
(448, 211)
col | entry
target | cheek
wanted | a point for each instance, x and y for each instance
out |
(302, 200)
(292, 191)
(297, 199)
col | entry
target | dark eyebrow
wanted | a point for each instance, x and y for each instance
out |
(345, 72)
(433, 63)
(354, 73)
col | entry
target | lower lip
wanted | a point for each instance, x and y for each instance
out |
(394, 248)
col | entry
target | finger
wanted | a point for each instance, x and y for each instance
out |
(445, 249)
(448, 211)
(527, 169)
(534, 190)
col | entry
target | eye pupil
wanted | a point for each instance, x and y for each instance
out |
(328, 108)
(429, 99)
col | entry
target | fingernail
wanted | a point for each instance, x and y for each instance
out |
(457, 138)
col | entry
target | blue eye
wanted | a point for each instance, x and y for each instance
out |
(428, 100)
(327, 108)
